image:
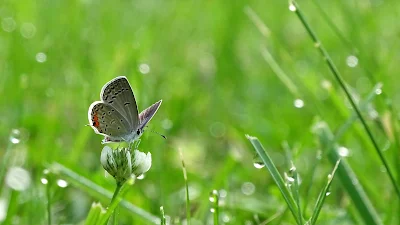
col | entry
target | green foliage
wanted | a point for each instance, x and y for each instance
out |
(223, 69)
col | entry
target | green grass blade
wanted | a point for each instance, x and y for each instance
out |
(99, 192)
(163, 219)
(95, 213)
(186, 187)
(347, 177)
(338, 77)
(275, 176)
(323, 195)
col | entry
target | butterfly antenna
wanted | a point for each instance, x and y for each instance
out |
(159, 134)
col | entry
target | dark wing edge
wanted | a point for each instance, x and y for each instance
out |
(146, 115)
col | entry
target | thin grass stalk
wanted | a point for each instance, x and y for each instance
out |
(342, 84)
(215, 197)
(347, 177)
(323, 195)
(163, 220)
(186, 188)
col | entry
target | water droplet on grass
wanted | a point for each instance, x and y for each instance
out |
(44, 180)
(298, 103)
(15, 136)
(144, 68)
(258, 165)
(62, 183)
(248, 188)
(8, 24)
(343, 151)
(352, 61)
(41, 57)
(28, 30)
(292, 7)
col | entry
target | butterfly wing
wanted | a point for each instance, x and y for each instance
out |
(107, 121)
(118, 94)
(146, 115)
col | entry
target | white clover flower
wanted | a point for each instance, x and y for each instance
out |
(141, 162)
(121, 163)
(117, 163)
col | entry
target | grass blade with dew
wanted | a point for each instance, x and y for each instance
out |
(332, 67)
(163, 219)
(295, 190)
(346, 175)
(214, 198)
(275, 176)
(186, 187)
(99, 192)
(292, 178)
(324, 193)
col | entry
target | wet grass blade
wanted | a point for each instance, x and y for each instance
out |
(332, 67)
(276, 177)
(346, 176)
(324, 193)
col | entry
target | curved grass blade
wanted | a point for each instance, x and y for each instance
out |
(276, 177)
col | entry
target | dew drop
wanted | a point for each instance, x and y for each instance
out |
(15, 136)
(352, 61)
(328, 193)
(44, 180)
(46, 171)
(226, 218)
(144, 68)
(223, 193)
(28, 30)
(211, 199)
(343, 151)
(326, 84)
(248, 188)
(140, 177)
(41, 57)
(292, 7)
(258, 165)
(62, 183)
(289, 179)
(8, 24)
(212, 210)
(378, 91)
(298, 103)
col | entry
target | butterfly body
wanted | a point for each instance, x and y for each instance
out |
(116, 116)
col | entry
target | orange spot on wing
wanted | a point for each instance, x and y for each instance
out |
(96, 121)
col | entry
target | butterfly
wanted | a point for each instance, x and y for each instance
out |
(116, 116)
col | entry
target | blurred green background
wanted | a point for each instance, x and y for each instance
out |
(209, 63)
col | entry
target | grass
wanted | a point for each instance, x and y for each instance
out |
(330, 144)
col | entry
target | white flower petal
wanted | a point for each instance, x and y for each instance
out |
(141, 162)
